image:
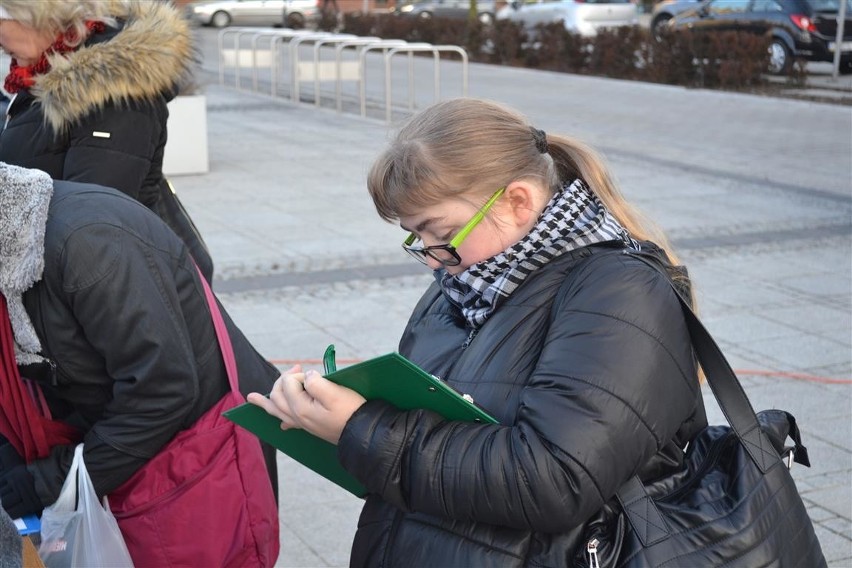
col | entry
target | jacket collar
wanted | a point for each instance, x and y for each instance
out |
(150, 54)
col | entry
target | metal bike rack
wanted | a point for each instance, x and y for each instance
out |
(338, 70)
(283, 33)
(317, 70)
(285, 41)
(236, 32)
(410, 49)
(386, 47)
(295, 68)
(360, 42)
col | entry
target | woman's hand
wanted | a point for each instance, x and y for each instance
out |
(311, 402)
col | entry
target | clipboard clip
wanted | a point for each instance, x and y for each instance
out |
(329, 364)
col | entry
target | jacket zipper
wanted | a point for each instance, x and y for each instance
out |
(470, 337)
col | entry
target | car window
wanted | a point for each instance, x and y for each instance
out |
(767, 6)
(722, 7)
(829, 6)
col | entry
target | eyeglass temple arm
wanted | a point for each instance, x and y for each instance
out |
(465, 231)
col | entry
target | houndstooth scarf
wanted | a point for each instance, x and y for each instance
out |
(573, 218)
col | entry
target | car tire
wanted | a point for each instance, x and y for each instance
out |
(220, 20)
(780, 57)
(295, 21)
(658, 24)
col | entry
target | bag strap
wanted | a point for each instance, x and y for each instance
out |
(221, 334)
(641, 511)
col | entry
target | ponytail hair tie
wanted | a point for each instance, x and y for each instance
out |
(540, 139)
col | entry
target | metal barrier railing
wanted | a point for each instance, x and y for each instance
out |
(286, 41)
(339, 70)
(410, 49)
(362, 43)
(362, 57)
(297, 72)
(235, 52)
(282, 34)
(316, 70)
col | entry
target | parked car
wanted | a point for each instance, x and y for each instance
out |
(223, 13)
(584, 17)
(458, 9)
(798, 28)
(666, 10)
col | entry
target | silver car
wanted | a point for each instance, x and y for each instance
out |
(457, 9)
(223, 13)
(584, 18)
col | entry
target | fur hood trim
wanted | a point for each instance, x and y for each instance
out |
(24, 200)
(150, 55)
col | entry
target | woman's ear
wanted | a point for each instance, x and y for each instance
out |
(522, 200)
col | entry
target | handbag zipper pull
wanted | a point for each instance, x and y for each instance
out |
(592, 550)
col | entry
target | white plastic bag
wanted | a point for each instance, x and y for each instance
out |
(77, 530)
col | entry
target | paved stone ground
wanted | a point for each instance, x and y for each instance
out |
(755, 192)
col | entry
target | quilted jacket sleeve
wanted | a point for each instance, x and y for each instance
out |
(613, 382)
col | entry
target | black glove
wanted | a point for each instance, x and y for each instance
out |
(18, 494)
(9, 457)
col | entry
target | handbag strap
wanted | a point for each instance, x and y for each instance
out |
(641, 511)
(221, 334)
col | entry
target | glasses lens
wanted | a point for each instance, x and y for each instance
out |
(416, 253)
(445, 255)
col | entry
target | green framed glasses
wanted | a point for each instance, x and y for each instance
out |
(447, 254)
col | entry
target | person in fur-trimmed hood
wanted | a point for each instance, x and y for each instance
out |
(90, 81)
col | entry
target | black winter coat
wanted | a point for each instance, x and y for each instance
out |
(121, 312)
(589, 370)
(101, 116)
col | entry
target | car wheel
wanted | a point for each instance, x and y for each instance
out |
(295, 21)
(486, 18)
(779, 57)
(220, 20)
(658, 25)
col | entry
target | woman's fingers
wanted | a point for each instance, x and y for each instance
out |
(266, 404)
(309, 401)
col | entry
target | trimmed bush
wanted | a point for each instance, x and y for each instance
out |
(726, 60)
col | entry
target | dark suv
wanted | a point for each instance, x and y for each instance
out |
(798, 28)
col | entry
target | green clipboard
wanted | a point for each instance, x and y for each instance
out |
(389, 377)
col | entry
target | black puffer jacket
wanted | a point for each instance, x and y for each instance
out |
(588, 369)
(100, 117)
(122, 314)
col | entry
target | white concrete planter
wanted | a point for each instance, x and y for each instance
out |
(186, 149)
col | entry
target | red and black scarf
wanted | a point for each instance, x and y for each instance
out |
(23, 77)
(24, 418)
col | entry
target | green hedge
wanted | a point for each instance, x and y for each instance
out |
(727, 60)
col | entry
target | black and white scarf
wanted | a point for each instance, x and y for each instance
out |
(573, 218)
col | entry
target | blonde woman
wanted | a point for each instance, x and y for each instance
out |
(542, 313)
(90, 81)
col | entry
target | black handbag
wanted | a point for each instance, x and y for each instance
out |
(170, 209)
(733, 504)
